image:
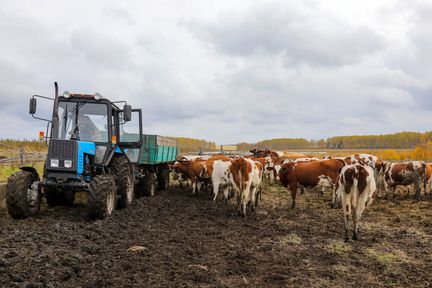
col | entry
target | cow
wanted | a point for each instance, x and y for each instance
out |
(403, 174)
(257, 153)
(356, 188)
(309, 174)
(218, 171)
(427, 179)
(272, 166)
(246, 175)
(190, 170)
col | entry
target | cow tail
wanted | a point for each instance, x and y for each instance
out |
(240, 182)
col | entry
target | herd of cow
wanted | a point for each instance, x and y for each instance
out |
(354, 180)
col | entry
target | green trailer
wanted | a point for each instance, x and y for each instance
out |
(157, 149)
(152, 159)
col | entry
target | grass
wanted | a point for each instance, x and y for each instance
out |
(385, 257)
(338, 247)
(6, 171)
(291, 239)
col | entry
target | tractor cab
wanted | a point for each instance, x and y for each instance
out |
(87, 131)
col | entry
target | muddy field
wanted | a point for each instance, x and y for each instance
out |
(188, 241)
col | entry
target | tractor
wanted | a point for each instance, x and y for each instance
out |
(96, 147)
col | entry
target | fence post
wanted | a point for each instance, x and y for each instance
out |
(22, 156)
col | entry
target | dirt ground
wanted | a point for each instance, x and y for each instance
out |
(189, 241)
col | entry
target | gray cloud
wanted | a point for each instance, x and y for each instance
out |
(235, 72)
(303, 34)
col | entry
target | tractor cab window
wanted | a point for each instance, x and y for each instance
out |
(130, 133)
(83, 121)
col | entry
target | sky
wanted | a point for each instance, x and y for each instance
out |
(225, 71)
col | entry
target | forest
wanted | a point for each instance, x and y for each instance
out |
(402, 140)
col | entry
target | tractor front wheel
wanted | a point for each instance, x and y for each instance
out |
(122, 171)
(21, 200)
(102, 196)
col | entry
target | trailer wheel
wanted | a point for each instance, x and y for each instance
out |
(163, 178)
(56, 198)
(148, 185)
(122, 171)
(21, 200)
(102, 196)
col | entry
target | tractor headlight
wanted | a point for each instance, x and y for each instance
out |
(68, 163)
(54, 163)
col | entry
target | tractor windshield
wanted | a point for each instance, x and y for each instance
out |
(83, 121)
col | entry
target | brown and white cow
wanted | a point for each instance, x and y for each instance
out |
(190, 170)
(367, 159)
(246, 175)
(309, 174)
(356, 188)
(404, 174)
(218, 171)
(427, 179)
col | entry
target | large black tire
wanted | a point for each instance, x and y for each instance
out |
(102, 196)
(163, 178)
(59, 198)
(19, 201)
(122, 171)
(147, 186)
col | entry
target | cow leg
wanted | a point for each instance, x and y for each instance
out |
(245, 200)
(293, 189)
(258, 196)
(226, 194)
(238, 200)
(346, 208)
(271, 176)
(194, 185)
(358, 211)
(254, 198)
(334, 206)
(215, 190)
(386, 189)
(302, 190)
(393, 189)
(418, 188)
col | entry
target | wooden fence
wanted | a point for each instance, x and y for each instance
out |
(14, 156)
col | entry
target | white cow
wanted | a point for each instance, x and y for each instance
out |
(356, 189)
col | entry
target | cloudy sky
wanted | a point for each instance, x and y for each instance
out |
(225, 71)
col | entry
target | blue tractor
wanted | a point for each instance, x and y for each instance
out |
(93, 146)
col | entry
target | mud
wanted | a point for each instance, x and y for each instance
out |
(189, 241)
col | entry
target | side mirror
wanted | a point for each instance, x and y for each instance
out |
(127, 113)
(32, 106)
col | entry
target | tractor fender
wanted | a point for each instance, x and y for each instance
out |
(32, 170)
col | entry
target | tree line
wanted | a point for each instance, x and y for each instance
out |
(402, 140)
(186, 144)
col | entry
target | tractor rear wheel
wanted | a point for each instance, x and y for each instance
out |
(21, 200)
(59, 198)
(163, 178)
(122, 171)
(102, 196)
(147, 185)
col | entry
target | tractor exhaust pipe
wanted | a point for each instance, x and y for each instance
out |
(55, 117)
